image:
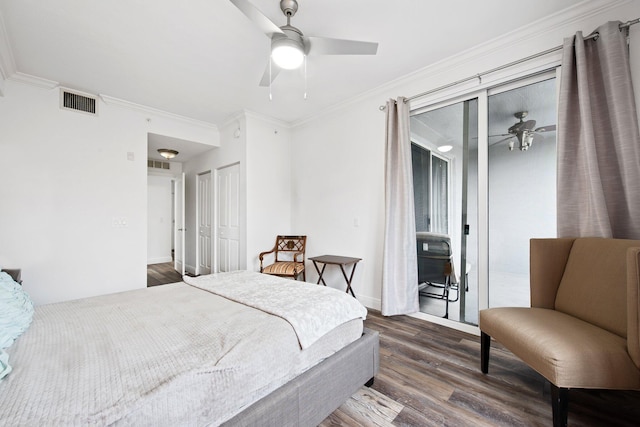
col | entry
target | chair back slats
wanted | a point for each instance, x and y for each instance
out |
(290, 245)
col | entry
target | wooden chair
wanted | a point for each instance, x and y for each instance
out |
(582, 329)
(289, 252)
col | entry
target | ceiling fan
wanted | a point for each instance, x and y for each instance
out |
(523, 131)
(289, 45)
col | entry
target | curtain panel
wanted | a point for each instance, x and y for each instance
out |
(598, 139)
(400, 258)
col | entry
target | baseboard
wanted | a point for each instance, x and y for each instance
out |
(159, 260)
(369, 302)
(191, 269)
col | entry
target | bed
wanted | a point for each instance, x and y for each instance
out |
(237, 348)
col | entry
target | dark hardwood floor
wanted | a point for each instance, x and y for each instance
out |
(161, 274)
(430, 376)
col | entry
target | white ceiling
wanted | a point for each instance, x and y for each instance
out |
(204, 59)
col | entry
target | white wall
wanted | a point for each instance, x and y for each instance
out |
(338, 193)
(74, 214)
(269, 197)
(340, 176)
(159, 214)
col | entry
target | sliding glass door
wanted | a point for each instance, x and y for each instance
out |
(444, 160)
(484, 185)
(522, 184)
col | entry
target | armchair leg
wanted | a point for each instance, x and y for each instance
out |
(485, 346)
(559, 405)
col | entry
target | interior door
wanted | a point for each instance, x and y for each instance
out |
(178, 225)
(228, 218)
(204, 223)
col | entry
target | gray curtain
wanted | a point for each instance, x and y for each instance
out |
(598, 139)
(400, 259)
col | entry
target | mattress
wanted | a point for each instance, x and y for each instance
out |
(168, 355)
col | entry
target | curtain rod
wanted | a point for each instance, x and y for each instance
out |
(510, 64)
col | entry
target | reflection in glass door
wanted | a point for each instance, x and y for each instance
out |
(522, 184)
(445, 172)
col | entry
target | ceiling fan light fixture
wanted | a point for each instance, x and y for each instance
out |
(287, 53)
(445, 148)
(167, 153)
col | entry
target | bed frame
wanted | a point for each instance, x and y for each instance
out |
(311, 397)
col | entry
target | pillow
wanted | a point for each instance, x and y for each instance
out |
(16, 310)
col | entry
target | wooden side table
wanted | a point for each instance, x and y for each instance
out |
(342, 261)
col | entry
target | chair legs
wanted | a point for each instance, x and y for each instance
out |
(559, 395)
(559, 405)
(485, 346)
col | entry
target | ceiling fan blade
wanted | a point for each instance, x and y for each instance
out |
(251, 12)
(326, 46)
(549, 128)
(275, 70)
(502, 140)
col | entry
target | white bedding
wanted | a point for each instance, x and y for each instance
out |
(311, 310)
(168, 355)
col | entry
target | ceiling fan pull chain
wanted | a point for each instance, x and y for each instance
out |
(305, 77)
(270, 79)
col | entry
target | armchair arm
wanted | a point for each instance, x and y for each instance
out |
(548, 258)
(633, 304)
(295, 256)
(262, 254)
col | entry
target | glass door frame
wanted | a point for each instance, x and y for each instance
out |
(482, 93)
(423, 106)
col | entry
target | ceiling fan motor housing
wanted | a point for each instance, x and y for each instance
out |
(289, 7)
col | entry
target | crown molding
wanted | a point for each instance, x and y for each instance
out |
(545, 29)
(110, 100)
(267, 119)
(252, 114)
(33, 80)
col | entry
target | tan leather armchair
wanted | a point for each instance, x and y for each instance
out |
(583, 327)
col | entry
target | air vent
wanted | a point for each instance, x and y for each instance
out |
(78, 102)
(155, 164)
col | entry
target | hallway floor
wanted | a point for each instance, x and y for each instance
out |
(161, 274)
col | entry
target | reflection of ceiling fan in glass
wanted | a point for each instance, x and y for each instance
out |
(523, 131)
